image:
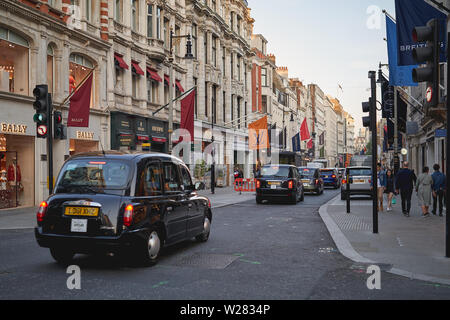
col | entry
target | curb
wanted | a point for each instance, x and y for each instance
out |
(347, 250)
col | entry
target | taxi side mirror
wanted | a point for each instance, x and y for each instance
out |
(199, 186)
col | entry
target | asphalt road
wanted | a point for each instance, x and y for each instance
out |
(255, 252)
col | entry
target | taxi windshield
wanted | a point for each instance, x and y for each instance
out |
(93, 175)
(307, 173)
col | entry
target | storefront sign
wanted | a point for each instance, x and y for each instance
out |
(141, 126)
(441, 133)
(13, 128)
(125, 140)
(84, 135)
(157, 129)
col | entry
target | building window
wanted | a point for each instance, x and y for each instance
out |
(79, 69)
(158, 22)
(150, 20)
(50, 69)
(224, 108)
(264, 77)
(177, 46)
(214, 51)
(205, 45)
(232, 109)
(134, 15)
(14, 53)
(118, 10)
(232, 20)
(166, 33)
(194, 40)
(214, 5)
(238, 27)
(239, 112)
(213, 104)
(223, 61)
(264, 104)
(238, 65)
(206, 99)
(232, 65)
(88, 10)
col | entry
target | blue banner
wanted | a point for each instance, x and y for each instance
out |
(296, 147)
(398, 75)
(411, 14)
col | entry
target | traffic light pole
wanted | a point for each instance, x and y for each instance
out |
(373, 126)
(447, 166)
(50, 145)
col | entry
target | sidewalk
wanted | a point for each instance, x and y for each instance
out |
(413, 247)
(25, 218)
(226, 196)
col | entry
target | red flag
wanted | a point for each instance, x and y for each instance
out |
(80, 103)
(309, 145)
(304, 132)
(187, 113)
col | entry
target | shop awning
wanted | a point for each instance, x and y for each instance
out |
(154, 75)
(159, 139)
(137, 69)
(167, 79)
(141, 137)
(178, 84)
(120, 61)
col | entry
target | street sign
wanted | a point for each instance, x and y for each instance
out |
(441, 133)
(42, 130)
(429, 94)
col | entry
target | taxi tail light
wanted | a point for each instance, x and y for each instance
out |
(291, 184)
(42, 211)
(128, 215)
(209, 203)
(333, 176)
(258, 184)
(317, 181)
(344, 181)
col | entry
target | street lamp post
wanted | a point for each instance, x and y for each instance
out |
(172, 76)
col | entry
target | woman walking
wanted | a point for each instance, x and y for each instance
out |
(390, 188)
(423, 188)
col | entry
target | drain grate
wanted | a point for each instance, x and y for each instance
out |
(351, 222)
(204, 261)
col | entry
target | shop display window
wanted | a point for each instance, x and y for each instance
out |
(14, 69)
(79, 69)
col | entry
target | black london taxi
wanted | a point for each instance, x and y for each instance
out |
(277, 182)
(131, 204)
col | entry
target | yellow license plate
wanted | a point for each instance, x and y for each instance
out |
(274, 183)
(360, 181)
(81, 211)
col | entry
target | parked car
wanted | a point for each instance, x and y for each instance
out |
(122, 203)
(311, 179)
(279, 182)
(360, 179)
(330, 178)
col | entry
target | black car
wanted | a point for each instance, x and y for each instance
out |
(277, 182)
(122, 203)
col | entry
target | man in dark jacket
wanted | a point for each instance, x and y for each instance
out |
(405, 185)
(439, 186)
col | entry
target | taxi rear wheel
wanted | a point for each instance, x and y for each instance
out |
(147, 250)
(62, 256)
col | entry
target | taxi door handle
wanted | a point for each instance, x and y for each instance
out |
(169, 209)
(190, 205)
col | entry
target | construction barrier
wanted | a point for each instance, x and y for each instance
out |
(245, 185)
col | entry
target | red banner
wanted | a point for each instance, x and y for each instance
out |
(310, 144)
(80, 104)
(304, 132)
(187, 113)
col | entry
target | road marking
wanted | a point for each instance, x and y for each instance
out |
(162, 283)
(400, 243)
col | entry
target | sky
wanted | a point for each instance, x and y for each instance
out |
(327, 42)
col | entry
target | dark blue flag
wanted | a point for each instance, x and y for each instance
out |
(411, 14)
(296, 147)
(398, 75)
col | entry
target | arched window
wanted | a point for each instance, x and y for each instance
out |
(14, 70)
(50, 69)
(80, 67)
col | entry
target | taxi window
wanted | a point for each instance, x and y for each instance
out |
(101, 174)
(150, 181)
(171, 180)
(187, 182)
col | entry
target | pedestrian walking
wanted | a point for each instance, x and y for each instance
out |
(390, 188)
(381, 186)
(404, 185)
(423, 188)
(439, 187)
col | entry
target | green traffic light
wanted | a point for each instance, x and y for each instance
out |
(39, 117)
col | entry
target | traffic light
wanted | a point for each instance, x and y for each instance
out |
(43, 110)
(366, 107)
(58, 127)
(429, 56)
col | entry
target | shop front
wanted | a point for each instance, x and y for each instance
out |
(17, 154)
(134, 133)
(83, 141)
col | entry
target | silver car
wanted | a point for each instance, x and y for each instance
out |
(360, 182)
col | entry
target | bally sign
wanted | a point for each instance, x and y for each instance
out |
(13, 128)
(82, 135)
